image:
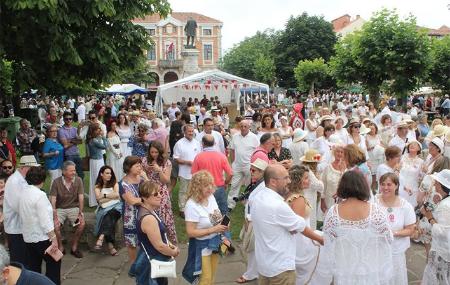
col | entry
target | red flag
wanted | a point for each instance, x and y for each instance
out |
(169, 48)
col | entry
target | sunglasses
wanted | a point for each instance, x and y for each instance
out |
(357, 127)
(160, 193)
(7, 167)
(92, 118)
(68, 119)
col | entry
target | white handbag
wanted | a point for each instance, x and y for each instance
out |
(160, 268)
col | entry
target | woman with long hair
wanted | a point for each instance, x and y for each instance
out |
(114, 156)
(96, 144)
(225, 118)
(109, 210)
(306, 251)
(411, 172)
(331, 176)
(279, 153)
(311, 126)
(158, 169)
(401, 219)
(267, 125)
(125, 133)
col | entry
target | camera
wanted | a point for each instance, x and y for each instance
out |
(427, 205)
(243, 196)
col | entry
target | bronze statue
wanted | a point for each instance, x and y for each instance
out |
(190, 30)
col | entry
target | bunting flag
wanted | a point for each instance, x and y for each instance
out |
(207, 87)
(235, 86)
(216, 86)
(226, 86)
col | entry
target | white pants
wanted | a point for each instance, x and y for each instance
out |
(252, 270)
(55, 173)
(239, 178)
(182, 192)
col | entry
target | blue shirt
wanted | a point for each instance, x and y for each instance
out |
(53, 162)
(69, 134)
(28, 277)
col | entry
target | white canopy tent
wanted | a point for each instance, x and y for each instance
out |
(210, 83)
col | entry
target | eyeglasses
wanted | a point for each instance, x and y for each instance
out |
(160, 193)
(53, 131)
(92, 118)
(357, 127)
(7, 167)
(68, 119)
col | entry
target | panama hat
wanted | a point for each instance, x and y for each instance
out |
(299, 135)
(343, 118)
(354, 121)
(442, 177)
(402, 124)
(414, 141)
(311, 155)
(439, 143)
(439, 131)
(260, 164)
(28, 160)
(325, 118)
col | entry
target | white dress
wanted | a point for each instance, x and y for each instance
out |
(298, 150)
(330, 179)
(375, 151)
(398, 218)
(437, 270)
(311, 136)
(287, 141)
(358, 252)
(410, 177)
(114, 157)
(315, 186)
(361, 144)
(124, 134)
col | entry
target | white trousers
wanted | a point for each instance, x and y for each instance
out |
(240, 177)
(55, 173)
(252, 270)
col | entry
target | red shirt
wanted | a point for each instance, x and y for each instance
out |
(260, 153)
(214, 162)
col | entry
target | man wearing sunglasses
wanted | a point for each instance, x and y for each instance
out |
(7, 167)
(68, 136)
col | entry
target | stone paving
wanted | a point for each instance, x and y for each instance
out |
(103, 269)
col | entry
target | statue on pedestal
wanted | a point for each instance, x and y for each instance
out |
(190, 29)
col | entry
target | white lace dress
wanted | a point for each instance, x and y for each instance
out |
(311, 136)
(114, 157)
(359, 252)
(410, 176)
(330, 179)
(124, 134)
(315, 186)
(437, 270)
(375, 151)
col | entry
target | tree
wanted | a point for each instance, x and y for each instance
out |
(440, 69)
(252, 58)
(305, 37)
(309, 72)
(73, 45)
(6, 78)
(385, 50)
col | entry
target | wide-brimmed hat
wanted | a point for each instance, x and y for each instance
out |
(260, 164)
(354, 121)
(413, 141)
(28, 160)
(311, 155)
(442, 177)
(365, 120)
(325, 118)
(299, 135)
(343, 118)
(439, 131)
(364, 130)
(135, 113)
(402, 124)
(214, 109)
(439, 143)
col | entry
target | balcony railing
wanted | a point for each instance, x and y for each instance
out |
(170, 63)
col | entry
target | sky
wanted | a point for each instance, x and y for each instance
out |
(243, 18)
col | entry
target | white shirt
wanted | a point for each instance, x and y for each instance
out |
(218, 140)
(251, 198)
(398, 142)
(273, 221)
(298, 150)
(36, 215)
(13, 193)
(243, 147)
(81, 112)
(171, 112)
(186, 150)
(197, 213)
(71, 103)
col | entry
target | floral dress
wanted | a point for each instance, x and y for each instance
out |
(129, 213)
(138, 148)
(284, 154)
(165, 209)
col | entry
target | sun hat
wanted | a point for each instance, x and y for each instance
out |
(214, 109)
(135, 113)
(260, 164)
(325, 118)
(439, 143)
(364, 130)
(447, 137)
(414, 141)
(439, 131)
(402, 124)
(28, 160)
(311, 155)
(343, 118)
(299, 135)
(442, 177)
(366, 119)
(354, 121)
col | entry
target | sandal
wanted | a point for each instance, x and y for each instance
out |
(242, 280)
(99, 244)
(113, 252)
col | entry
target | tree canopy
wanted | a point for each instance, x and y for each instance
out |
(305, 37)
(440, 68)
(69, 46)
(309, 72)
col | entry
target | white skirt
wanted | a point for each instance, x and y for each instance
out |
(94, 168)
(400, 272)
(116, 164)
(125, 149)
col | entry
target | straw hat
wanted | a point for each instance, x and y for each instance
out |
(28, 160)
(402, 124)
(439, 131)
(260, 164)
(447, 137)
(366, 119)
(439, 143)
(325, 118)
(354, 121)
(135, 113)
(414, 141)
(343, 118)
(311, 155)
(364, 130)
(299, 135)
(442, 177)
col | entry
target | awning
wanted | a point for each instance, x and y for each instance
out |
(125, 89)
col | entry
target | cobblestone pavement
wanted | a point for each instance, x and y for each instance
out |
(102, 269)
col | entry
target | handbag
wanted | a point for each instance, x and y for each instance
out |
(85, 163)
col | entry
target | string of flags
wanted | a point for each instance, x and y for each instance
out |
(213, 84)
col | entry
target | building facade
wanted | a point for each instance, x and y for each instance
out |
(165, 56)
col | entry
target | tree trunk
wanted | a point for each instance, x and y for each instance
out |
(311, 89)
(374, 95)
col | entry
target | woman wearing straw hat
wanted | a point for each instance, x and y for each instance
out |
(298, 146)
(339, 124)
(310, 160)
(437, 270)
(354, 135)
(410, 172)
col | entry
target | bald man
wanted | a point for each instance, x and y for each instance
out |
(274, 225)
(242, 146)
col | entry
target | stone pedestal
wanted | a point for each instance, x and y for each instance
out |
(190, 61)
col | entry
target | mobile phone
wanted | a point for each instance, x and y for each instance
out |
(225, 221)
(76, 223)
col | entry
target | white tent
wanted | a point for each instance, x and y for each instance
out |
(125, 89)
(210, 83)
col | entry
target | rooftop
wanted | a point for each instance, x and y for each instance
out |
(180, 16)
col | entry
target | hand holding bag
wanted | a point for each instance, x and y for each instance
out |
(160, 268)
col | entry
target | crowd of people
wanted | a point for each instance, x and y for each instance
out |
(335, 188)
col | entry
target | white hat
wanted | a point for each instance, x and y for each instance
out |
(402, 124)
(28, 160)
(325, 118)
(439, 131)
(364, 130)
(260, 164)
(442, 177)
(439, 143)
(343, 118)
(299, 135)
(413, 141)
